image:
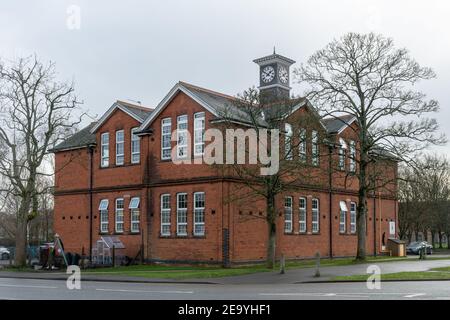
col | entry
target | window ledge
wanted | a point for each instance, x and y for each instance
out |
(182, 236)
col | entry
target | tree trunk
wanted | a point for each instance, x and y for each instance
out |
(440, 239)
(448, 240)
(362, 211)
(20, 258)
(433, 238)
(271, 228)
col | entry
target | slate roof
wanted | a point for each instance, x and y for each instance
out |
(223, 105)
(80, 139)
(138, 111)
(85, 136)
(336, 124)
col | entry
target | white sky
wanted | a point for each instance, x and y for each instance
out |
(138, 50)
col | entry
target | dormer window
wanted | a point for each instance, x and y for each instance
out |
(120, 150)
(352, 156)
(288, 141)
(135, 146)
(166, 132)
(342, 151)
(302, 145)
(105, 149)
(199, 133)
(315, 148)
(182, 137)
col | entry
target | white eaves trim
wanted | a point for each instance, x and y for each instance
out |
(177, 88)
(110, 111)
(346, 125)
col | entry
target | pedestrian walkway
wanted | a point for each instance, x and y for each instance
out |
(327, 273)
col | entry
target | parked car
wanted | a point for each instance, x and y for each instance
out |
(4, 253)
(414, 247)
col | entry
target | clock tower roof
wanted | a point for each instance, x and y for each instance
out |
(275, 57)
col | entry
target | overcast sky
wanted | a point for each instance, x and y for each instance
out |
(139, 49)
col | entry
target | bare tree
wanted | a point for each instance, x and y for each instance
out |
(424, 192)
(279, 130)
(366, 77)
(36, 111)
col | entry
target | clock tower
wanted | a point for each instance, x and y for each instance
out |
(274, 77)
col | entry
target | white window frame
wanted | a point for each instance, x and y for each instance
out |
(342, 216)
(315, 215)
(289, 155)
(182, 120)
(199, 212)
(166, 123)
(135, 144)
(122, 144)
(135, 212)
(342, 153)
(288, 214)
(119, 216)
(199, 131)
(165, 211)
(352, 217)
(302, 207)
(352, 156)
(103, 208)
(302, 153)
(104, 149)
(182, 213)
(315, 148)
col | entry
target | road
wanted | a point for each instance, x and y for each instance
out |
(56, 289)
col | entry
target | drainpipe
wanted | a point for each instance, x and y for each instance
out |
(330, 194)
(91, 180)
(374, 224)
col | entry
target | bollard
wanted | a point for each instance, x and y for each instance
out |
(282, 264)
(317, 273)
(113, 256)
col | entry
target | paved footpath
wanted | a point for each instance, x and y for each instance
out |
(327, 273)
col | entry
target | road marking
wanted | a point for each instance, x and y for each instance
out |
(414, 295)
(145, 291)
(22, 286)
(314, 294)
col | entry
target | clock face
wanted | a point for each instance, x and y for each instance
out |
(267, 74)
(283, 74)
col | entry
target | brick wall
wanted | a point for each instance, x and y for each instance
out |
(244, 219)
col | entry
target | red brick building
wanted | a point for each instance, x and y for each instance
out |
(116, 177)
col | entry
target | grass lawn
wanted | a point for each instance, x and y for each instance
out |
(191, 272)
(433, 274)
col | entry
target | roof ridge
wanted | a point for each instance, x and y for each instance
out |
(207, 90)
(128, 104)
(338, 117)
